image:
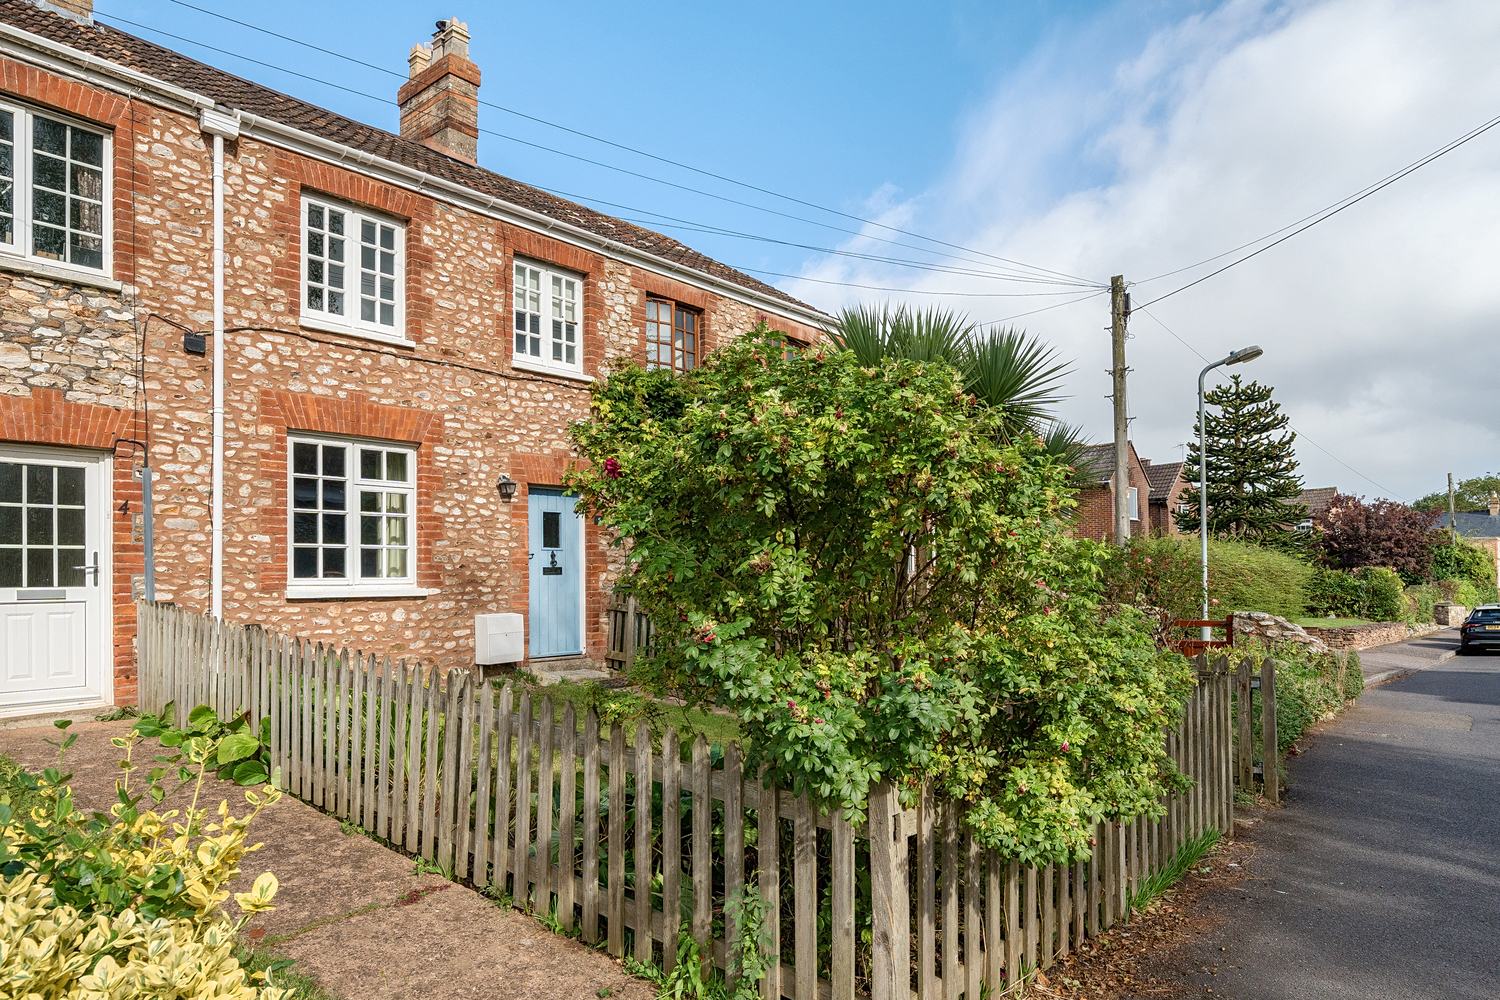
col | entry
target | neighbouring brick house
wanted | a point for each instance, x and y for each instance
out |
(1095, 514)
(399, 327)
(1168, 492)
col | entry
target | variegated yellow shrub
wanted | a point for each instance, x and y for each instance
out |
(53, 951)
(128, 904)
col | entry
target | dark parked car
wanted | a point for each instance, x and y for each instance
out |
(1480, 630)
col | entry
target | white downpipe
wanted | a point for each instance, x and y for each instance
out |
(220, 125)
(217, 537)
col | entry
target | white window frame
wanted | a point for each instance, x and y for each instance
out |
(20, 247)
(353, 584)
(548, 317)
(350, 322)
(1134, 503)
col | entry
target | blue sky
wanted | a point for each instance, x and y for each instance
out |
(835, 104)
(1088, 138)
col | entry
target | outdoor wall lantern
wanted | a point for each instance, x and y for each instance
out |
(507, 487)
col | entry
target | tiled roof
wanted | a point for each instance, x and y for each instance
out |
(1097, 461)
(1474, 524)
(1317, 500)
(1162, 478)
(237, 93)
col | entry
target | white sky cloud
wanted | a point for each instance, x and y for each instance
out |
(1381, 326)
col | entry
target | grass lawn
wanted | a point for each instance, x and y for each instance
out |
(1330, 622)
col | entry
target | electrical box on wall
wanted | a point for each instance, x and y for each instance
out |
(499, 639)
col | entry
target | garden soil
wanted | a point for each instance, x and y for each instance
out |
(350, 911)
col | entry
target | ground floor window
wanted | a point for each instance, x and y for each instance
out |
(352, 504)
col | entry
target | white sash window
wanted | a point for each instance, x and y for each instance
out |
(353, 270)
(548, 306)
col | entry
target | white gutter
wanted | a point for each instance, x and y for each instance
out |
(68, 61)
(219, 125)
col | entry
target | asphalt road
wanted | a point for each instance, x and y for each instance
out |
(1381, 876)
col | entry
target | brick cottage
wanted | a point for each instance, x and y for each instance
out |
(398, 330)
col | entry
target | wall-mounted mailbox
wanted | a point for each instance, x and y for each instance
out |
(499, 639)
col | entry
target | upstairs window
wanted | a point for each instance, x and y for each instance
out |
(53, 181)
(353, 270)
(785, 346)
(548, 313)
(352, 507)
(672, 336)
(1134, 504)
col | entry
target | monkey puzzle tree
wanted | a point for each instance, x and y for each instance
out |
(1252, 467)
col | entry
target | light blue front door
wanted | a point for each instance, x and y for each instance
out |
(556, 548)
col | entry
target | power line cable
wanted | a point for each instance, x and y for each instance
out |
(1055, 305)
(909, 291)
(1299, 433)
(1346, 203)
(875, 258)
(621, 146)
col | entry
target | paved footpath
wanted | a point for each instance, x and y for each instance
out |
(1397, 659)
(1381, 876)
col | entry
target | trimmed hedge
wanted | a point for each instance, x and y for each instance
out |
(1164, 572)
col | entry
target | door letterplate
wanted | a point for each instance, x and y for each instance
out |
(42, 595)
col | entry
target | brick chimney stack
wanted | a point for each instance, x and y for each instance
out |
(1495, 505)
(440, 102)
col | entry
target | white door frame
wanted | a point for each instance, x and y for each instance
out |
(100, 668)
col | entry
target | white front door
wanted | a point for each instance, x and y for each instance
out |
(54, 580)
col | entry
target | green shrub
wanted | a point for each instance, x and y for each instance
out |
(1165, 572)
(1374, 593)
(877, 579)
(1419, 602)
(1464, 562)
(1334, 592)
(1384, 594)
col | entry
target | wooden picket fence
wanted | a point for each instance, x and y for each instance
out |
(634, 840)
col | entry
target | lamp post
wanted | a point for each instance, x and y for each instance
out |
(1236, 357)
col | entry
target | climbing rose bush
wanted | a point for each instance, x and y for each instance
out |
(860, 566)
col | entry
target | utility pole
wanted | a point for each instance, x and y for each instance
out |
(1117, 311)
(1452, 517)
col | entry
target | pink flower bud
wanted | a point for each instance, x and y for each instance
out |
(1065, 748)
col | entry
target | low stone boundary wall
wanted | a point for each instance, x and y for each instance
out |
(1362, 636)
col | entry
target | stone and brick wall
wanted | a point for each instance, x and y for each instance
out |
(72, 354)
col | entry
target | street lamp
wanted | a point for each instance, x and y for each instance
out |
(1236, 357)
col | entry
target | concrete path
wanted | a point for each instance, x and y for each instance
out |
(1397, 659)
(1380, 879)
(352, 913)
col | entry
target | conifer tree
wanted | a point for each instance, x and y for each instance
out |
(1252, 469)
